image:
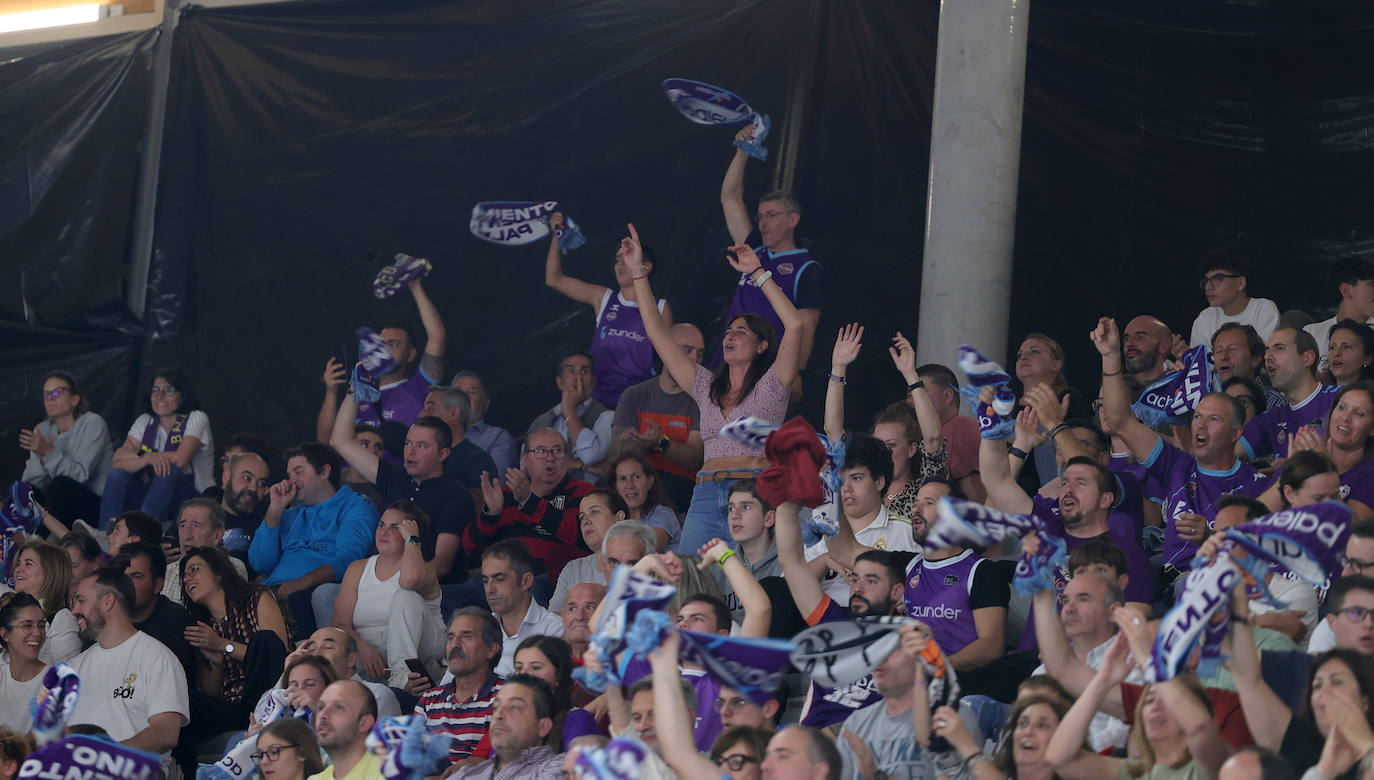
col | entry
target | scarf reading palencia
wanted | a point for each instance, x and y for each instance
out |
(519, 222)
(1306, 542)
(632, 624)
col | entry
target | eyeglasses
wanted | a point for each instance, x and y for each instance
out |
(1215, 279)
(733, 703)
(271, 754)
(1356, 614)
(55, 393)
(736, 761)
(167, 390)
(28, 626)
(192, 570)
(1245, 400)
(546, 452)
(772, 214)
(1359, 566)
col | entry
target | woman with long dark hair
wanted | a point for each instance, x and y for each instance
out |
(42, 570)
(636, 480)
(1347, 447)
(168, 457)
(69, 451)
(753, 380)
(1350, 353)
(550, 659)
(241, 634)
(23, 628)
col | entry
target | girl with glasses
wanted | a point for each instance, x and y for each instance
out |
(69, 451)
(168, 456)
(23, 628)
(287, 750)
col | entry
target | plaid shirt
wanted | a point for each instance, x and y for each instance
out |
(535, 763)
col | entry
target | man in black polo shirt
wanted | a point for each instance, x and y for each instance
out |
(466, 460)
(422, 480)
(153, 613)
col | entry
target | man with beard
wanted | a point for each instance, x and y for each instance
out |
(200, 523)
(538, 507)
(462, 707)
(154, 614)
(875, 589)
(347, 713)
(131, 684)
(1192, 482)
(1148, 343)
(242, 492)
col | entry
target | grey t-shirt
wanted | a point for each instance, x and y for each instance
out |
(892, 738)
(767, 566)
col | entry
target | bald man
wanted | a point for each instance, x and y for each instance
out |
(1146, 344)
(658, 418)
(244, 483)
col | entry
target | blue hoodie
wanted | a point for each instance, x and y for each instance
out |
(336, 532)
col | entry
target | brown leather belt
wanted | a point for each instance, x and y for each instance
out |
(721, 476)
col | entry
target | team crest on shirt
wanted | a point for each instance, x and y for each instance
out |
(1283, 437)
(915, 578)
(126, 691)
(1345, 492)
(951, 579)
(611, 315)
(785, 268)
(881, 544)
(558, 502)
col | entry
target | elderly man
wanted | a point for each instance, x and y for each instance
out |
(601, 512)
(581, 603)
(538, 506)
(201, 523)
(521, 720)
(462, 707)
(341, 651)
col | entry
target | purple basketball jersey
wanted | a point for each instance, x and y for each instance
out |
(787, 268)
(1357, 484)
(1268, 433)
(937, 594)
(401, 402)
(1189, 487)
(621, 348)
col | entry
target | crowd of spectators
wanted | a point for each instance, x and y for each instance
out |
(417, 559)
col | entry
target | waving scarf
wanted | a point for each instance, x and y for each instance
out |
(705, 104)
(968, 524)
(19, 514)
(54, 703)
(629, 594)
(621, 759)
(995, 420)
(1304, 541)
(519, 222)
(1177, 394)
(412, 750)
(795, 457)
(404, 270)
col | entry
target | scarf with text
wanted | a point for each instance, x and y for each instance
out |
(995, 420)
(705, 104)
(520, 222)
(1177, 394)
(968, 524)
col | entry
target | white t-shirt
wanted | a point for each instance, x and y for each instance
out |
(1297, 596)
(122, 686)
(1262, 313)
(202, 466)
(886, 532)
(1321, 332)
(1322, 638)
(15, 698)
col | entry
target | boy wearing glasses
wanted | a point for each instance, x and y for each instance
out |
(1225, 274)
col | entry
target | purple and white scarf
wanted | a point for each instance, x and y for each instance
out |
(995, 420)
(1177, 394)
(90, 758)
(705, 104)
(968, 524)
(520, 222)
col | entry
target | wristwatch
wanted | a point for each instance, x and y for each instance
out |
(663, 444)
(415, 540)
(229, 648)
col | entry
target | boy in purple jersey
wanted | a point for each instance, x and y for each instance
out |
(1290, 359)
(620, 347)
(1192, 483)
(792, 267)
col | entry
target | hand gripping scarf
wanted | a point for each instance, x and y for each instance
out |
(1304, 541)
(412, 751)
(54, 703)
(704, 104)
(796, 453)
(968, 524)
(995, 420)
(1177, 394)
(404, 270)
(519, 222)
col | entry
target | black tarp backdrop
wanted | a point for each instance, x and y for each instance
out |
(73, 117)
(303, 137)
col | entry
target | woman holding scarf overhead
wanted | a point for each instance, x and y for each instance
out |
(752, 381)
(620, 352)
(168, 456)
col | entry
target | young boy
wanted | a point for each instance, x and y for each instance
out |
(751, 533)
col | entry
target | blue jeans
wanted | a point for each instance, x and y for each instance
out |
(125, 490)
(707, 517)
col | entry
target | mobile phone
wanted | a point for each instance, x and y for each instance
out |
(417, 667)
(339, 351)
(170, 540)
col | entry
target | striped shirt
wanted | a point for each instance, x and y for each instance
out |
(467, 721)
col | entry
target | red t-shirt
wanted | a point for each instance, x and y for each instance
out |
(962, 442)
(1225, 704)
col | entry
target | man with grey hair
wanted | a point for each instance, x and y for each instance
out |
(538, 506)
(496, 440)
(200, 523)
(626, 541)
(802, 753)
(462, 706)
(465, 460)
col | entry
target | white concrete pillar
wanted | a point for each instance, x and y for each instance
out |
(975, 147)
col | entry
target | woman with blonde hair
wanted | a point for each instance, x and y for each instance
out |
(43, 570)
